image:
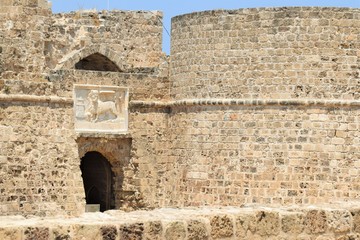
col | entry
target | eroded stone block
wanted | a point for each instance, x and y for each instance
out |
(38, 233)
(109, 232)
(61, 233)
(132, 232)
(175, 231)
(100, 109)
(315, 221)
(197, 230)
(242, 225)
(11, 233)
(339, 221)
(153, 230)
(356, 220)
(292, 223)
(221, 227)
(85, 232)
(266, 223)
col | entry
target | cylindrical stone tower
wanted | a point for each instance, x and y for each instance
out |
(266, 106)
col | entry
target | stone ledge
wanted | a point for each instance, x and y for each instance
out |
(32, 98)
(254, 222)
(196, 102)
(247, 102)
(105, 135)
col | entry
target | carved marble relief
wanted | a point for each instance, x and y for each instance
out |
(101, 108)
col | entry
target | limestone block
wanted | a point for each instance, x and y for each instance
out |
(85, 232)
(221, 227)
(153, 230)
(109, 232)
(315, 221)
(197, 230)
(266, 223)
(61, 232)
(339, 221)
(242, 225)
(175, 231)
(11, 233)
(356, 220)
(38, 233)
(292, 223)
(132, 231)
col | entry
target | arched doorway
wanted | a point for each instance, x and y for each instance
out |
(98, 180)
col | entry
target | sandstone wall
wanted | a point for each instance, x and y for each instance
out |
(254, 116)
(38, 117)
(35, 41)
(40, 152)
(266, 53)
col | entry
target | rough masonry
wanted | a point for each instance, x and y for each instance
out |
(253, 106)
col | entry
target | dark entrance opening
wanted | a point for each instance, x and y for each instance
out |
(98, 180)
(97, 62)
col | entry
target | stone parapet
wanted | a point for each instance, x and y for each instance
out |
(248, 222)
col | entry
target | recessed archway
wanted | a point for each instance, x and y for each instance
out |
(97, 62)
(98, 180)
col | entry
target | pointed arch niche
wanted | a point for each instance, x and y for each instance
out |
(93, 58)
(97, 62)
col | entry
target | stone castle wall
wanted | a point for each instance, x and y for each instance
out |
(40, 151)
(266, 53)
(252, 106)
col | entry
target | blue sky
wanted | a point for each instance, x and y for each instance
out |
(173, 8)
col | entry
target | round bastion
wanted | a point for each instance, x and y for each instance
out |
(282, 53)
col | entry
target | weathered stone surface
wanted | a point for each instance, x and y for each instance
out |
(175, 231)
(356, 220)
(221, 227)
(11, 233)
(242, 223)
(339, 220)
(197, 230)
(132, 231)
(292, 223)
(41, 233)
(109, 232)
(316, 221)
(258, 106)
(86, 231)
(186, 223)
(153, 230)
(61, 232)
(267, 223)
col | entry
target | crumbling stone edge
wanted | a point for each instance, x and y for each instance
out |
(194, 223)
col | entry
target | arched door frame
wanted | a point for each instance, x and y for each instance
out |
(107, 177)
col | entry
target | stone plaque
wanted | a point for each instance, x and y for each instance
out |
(101, 109)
